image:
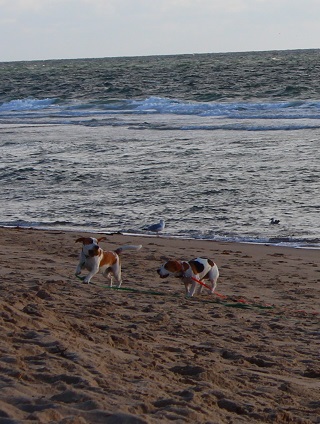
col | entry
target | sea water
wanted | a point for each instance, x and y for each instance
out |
(214, 144)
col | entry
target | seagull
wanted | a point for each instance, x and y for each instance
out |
(274, 221)
(157, 228)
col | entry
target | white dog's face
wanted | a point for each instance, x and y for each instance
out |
(92, 248)
(90, 245)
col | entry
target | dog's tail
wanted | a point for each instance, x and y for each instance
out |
(128, 247)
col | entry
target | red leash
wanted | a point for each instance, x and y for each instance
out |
(243, 301)
(208, 287)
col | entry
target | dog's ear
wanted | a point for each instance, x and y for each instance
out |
(176, 266)
(185, 266)
(80, 239)
(101, 239)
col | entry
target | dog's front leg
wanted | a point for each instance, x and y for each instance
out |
(81, 264)
(79, 268)
(192, 289)
(93, 272)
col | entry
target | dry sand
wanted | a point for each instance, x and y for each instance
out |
(77, 353)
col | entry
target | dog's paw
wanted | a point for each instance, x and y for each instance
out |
(80, 277)
(84, 280)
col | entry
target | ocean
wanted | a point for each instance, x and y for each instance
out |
(214, 144)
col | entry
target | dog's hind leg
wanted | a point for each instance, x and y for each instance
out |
(213, 276)
(108, 274)
(116, 274)
(200, 288)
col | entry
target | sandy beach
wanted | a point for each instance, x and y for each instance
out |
(76, 353)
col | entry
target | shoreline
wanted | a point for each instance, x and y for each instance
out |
(310, 246)
(78, 353)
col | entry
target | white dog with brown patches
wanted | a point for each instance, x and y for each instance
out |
(192, 274)
(95, 260)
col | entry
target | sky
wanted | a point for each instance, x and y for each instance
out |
(70, 29)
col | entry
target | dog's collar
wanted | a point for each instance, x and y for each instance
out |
(184, 270)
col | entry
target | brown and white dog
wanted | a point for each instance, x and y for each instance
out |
(197, 269)
(95, 260)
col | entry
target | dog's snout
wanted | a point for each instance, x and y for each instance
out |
(161, 273)
(93, 251)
